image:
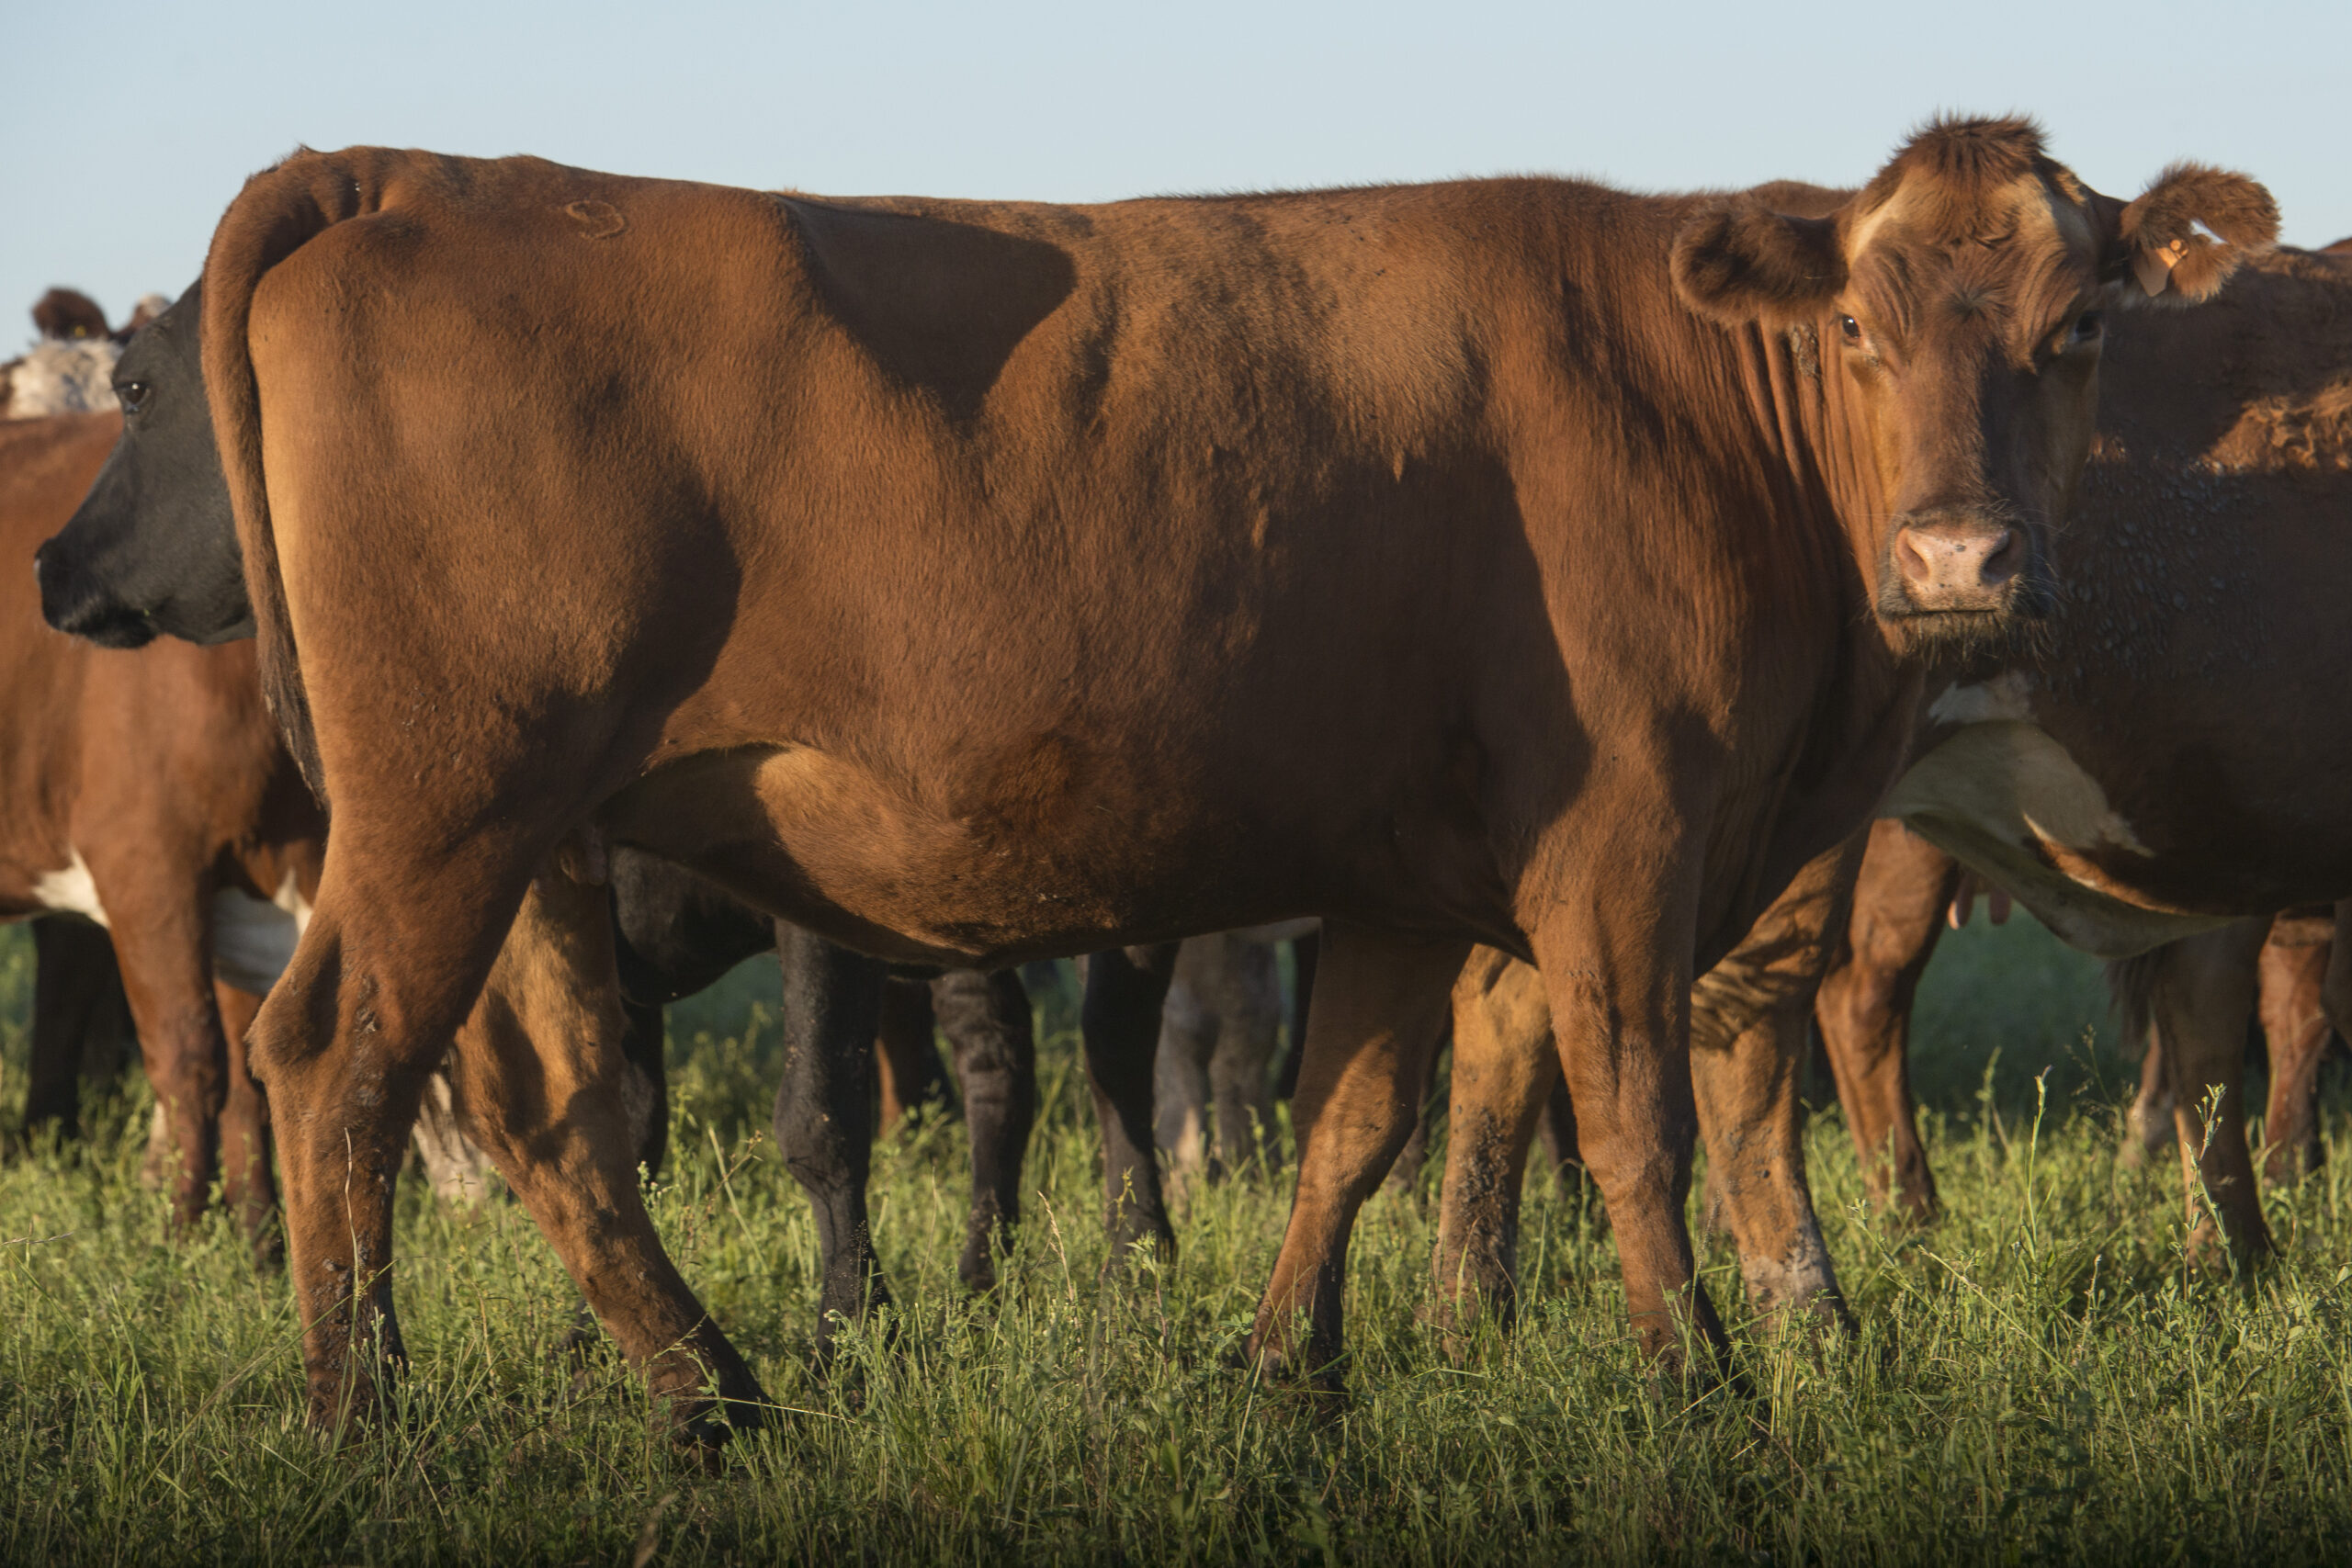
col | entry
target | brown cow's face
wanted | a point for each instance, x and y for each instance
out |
(1961, 302)
(1969, 338)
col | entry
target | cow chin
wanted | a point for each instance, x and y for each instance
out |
(2005, 625)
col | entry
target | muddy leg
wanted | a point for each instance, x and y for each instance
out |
(1504, 1065)
(72, 968)
(910, 1072)
(2200, 996)
(248, 1179)
(1747, 1050)
(986, 1020)
(541, 1083)
(1380, 1002)
(1119, 1022)
(832, 1003)
(1864, 1009)
(2295, 1027)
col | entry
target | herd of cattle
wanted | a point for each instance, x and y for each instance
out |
(1629, 625)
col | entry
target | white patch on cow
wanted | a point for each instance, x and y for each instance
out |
(59, 375)
(2007, 800)
(2004, 696)
(252, 942)
(72, 890)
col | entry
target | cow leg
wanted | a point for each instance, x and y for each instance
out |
(1864, 1009)
(1248, 1024)
(643, 1042)
(162, 938)
(2199, 994)
(1505, 1066)
(540, 1080)
(1119, 1026)
(73, 963)
(1188, 1026)
(2147, 1125)
(1381, 1003)
(1405, 1171)
(1557, 1129)
(2295, 1028)
(387, 971)
(248, 1182)
(1747, 1051)
(1306, 953)
(832, 1006)
(986, 1020)
(1621, 1012)
(908, 1061)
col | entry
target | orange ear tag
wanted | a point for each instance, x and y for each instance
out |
(2153, 268)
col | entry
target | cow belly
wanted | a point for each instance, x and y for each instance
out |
(2012, 805)
(252, 942)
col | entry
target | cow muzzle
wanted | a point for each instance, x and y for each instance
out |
(1959, 561)
(74, 608)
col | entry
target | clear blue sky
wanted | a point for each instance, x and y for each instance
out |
(129, 127)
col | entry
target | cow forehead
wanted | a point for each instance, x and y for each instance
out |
(2032, 220)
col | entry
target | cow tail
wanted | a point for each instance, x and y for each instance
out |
(279, 211)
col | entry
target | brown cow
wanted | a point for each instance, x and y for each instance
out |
(1514, 561)
(149, 791)
(2175, 761)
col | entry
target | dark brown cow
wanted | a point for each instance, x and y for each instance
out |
(149, 791)
(1865, 1004)
(1517, 561)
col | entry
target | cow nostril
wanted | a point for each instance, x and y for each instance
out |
(2001, 562)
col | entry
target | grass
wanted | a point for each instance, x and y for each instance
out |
(2038, 1377)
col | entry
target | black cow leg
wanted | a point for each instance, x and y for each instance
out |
(1119, 1022)
(641, 1042)
(73, 964)
(833, 1004)
(986, 1018)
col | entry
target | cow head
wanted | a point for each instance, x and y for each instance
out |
(1959, 303)
(154, 547)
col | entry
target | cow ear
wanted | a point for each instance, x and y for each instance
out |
(2187, 233)
(1739, 260)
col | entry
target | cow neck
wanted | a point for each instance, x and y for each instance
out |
(1824, 486)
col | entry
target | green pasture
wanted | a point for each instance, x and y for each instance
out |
(2038, 1377)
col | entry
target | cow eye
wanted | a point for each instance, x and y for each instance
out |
(130, 394)
(2088, 325)
(1851, 329)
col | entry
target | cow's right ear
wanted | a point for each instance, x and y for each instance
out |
(1740, 262)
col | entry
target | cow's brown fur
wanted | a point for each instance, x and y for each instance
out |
(160, 769)
(1361, 568)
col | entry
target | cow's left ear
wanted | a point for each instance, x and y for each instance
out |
(2186, 233)
(1739, 260)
